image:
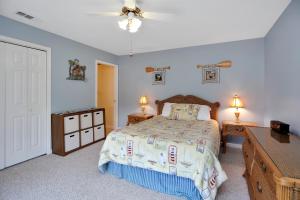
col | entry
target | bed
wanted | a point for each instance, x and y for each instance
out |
(176, 157)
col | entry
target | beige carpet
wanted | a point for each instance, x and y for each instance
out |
(76, 177)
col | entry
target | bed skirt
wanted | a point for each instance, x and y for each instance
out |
(160, 182)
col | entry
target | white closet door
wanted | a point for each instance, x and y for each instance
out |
(36, 102)
(16, 104)
(25, 104)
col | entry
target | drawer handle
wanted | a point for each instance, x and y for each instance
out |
(72, 136)
(97, 113)
(263, 166)
(86, 131)
(85, 115)
(99, 128)
(258, 187)
(239, 129)
(71, 118)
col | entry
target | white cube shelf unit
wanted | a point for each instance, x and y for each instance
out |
(74, 130)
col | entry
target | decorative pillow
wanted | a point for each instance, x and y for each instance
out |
(166, 111)
(184, 111)
(204, 113)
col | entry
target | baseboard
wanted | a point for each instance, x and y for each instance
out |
(234, 145)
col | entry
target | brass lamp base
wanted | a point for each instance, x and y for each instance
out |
(143, 110)
(237, 115)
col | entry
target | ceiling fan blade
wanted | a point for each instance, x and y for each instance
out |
(158, 16)
(130, 3)
(108, 14)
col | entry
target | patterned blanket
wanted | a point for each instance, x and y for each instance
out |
(184, 148)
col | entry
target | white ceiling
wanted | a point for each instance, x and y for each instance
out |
(194, 22)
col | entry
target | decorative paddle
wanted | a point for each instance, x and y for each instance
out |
(222, 64)
(150, 69)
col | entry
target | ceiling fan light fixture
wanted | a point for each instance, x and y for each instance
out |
(132, 24)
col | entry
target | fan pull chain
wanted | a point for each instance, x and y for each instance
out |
(131, 48)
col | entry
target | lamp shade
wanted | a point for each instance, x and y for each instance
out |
(143, 100)
(237, 103)
(123, 24)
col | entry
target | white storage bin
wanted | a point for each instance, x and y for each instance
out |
(85, 120)
(86, 136)
(71, 123)
(99, 132)
(98, 118)
(71, 141)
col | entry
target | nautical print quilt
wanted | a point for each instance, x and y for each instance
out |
(184, 148)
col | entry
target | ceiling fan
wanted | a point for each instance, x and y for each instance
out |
(131, 16)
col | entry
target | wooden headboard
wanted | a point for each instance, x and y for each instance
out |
(189, 99)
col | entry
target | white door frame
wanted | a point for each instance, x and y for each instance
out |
(116, 114)
(48, 82)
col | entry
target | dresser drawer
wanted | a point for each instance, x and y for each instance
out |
(98, 118)
(236, 130)
(71, 141)
(262, 190)
(99, 132)
(86, 120)
(266, 169)
(86, 136)
(250, 143)
(248, 152)
(71, 123)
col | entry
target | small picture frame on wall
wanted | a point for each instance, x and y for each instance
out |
(76, 70)
(158, 77)
(210, 75)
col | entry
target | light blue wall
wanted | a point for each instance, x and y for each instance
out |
(282, 75)
(245, 77)
(65, 94)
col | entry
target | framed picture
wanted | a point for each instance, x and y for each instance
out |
(158, 77)
(76, 71)
(210, 75)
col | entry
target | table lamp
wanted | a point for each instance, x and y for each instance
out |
(143, 103)
(236, 103)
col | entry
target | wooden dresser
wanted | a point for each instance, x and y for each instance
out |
(74, 130)
(272, 164)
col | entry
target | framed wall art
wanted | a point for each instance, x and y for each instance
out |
(210, 75)
(158, 77)
(76, 71)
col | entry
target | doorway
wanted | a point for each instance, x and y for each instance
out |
(107, 93)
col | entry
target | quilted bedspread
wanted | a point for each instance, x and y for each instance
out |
(184, 148)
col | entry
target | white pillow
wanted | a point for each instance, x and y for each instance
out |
(204, 113)
(166, 111)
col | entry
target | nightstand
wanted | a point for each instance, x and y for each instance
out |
(234, 129)
(138, 117)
